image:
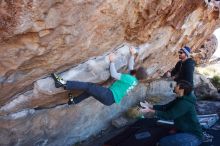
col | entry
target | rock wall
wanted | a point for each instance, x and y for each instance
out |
(203, 54)
(44, 36)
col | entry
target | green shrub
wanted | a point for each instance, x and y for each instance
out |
(216, 81)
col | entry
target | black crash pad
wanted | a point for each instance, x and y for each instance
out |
(147, 132)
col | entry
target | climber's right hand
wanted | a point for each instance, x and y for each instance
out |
(112, 57)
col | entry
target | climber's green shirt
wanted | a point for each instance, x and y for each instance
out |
(121, 87)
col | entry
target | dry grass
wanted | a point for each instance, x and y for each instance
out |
(134, 112)
(209, 71)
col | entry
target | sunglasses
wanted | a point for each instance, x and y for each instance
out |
(180, 52)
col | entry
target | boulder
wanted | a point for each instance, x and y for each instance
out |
(73, 38)
(204, 89)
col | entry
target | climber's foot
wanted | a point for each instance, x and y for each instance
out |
(71, 97)
(59, 82)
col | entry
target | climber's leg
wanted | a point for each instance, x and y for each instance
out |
(102, 94)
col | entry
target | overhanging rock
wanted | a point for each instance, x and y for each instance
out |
(94, 70)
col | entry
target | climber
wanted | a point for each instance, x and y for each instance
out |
(114, 94)
(184, 68)
(182, 111)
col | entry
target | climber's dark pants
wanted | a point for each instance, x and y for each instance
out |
(102, 94)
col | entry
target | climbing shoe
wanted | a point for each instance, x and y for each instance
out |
(70, 101)
(59, 82)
